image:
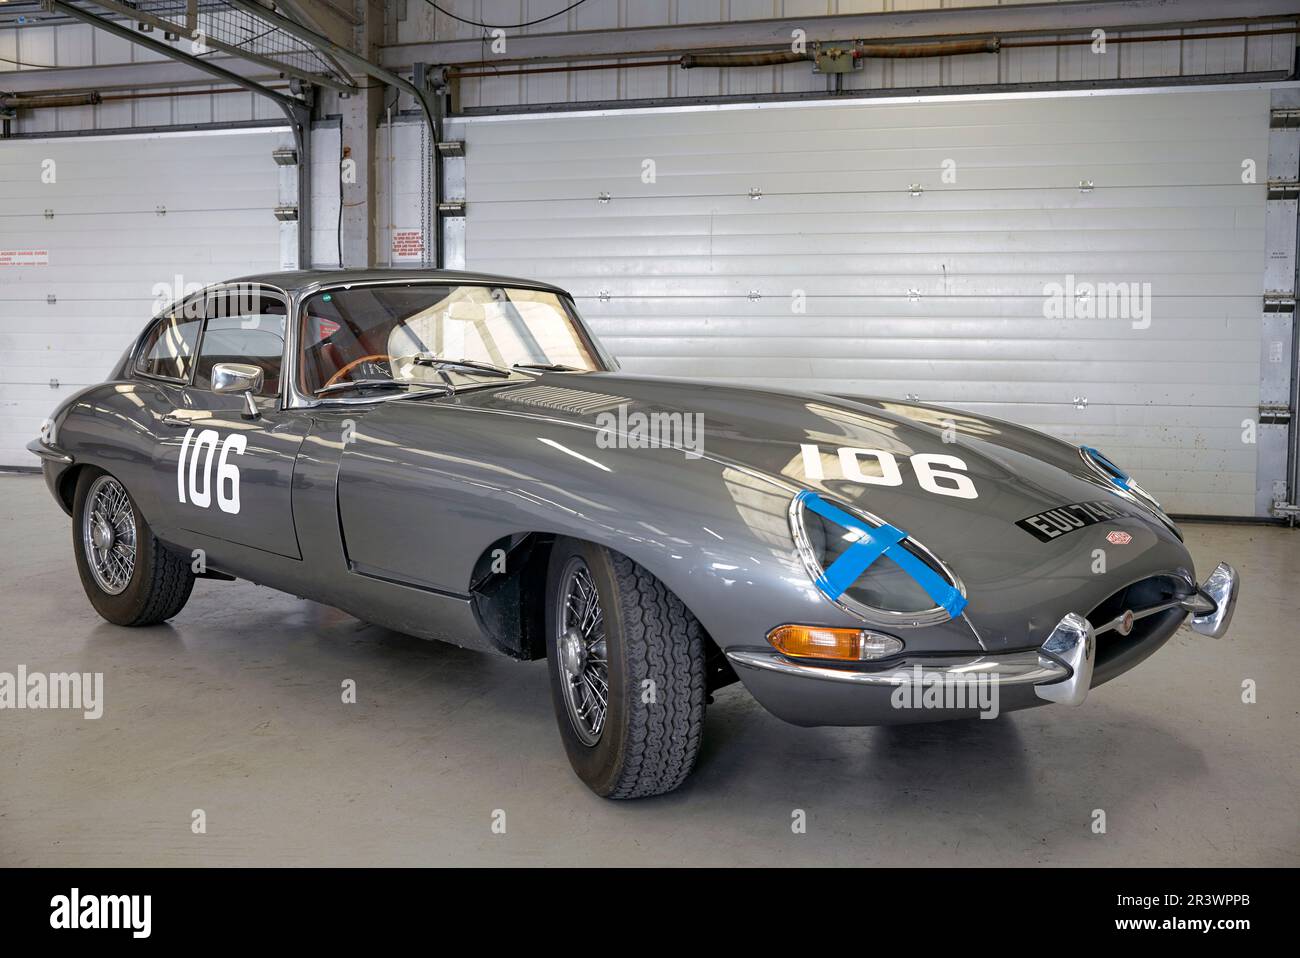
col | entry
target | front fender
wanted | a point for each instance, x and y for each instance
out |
(425, 489)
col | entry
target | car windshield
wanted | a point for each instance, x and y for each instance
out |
(401, 334)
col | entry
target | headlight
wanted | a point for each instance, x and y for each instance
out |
(1102, 467)
(870, 568)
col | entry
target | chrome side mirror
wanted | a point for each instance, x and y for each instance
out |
(234, 378)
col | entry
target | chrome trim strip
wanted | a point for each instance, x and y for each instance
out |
(1200, 603)
(1185, 604)
(1017, 668)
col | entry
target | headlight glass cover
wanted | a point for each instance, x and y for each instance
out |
(1102, 467)
(903, 584)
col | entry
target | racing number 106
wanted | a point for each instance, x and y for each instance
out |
(227, 473)
(954, 482)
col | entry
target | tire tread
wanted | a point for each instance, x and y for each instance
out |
(664, 643)
(169, 588)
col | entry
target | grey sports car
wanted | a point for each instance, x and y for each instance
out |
(455, 456)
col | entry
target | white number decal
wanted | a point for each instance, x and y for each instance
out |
(227, 473)
(852, 469)
(956, 484)
(207, 438)
(926, 474)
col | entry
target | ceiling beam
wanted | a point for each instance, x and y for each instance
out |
(127, 76)
(934, 24)
(339, 31)
(267, 63)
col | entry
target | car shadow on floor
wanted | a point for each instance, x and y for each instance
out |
(290, 655)
(1097, 756)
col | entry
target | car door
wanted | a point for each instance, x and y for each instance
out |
(224, 472)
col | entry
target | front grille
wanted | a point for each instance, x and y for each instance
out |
(1154, 592)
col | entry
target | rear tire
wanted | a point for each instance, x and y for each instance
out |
(647, 739)
(129, 576)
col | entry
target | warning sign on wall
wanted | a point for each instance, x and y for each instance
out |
(408, 246)
(24, 257)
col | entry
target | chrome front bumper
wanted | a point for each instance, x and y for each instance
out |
(48, 451)
(1221, 589)
(1060, 670)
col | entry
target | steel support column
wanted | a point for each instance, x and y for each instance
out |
(420, 92)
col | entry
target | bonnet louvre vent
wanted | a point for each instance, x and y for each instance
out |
(566, 400)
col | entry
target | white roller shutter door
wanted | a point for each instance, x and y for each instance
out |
(926, 239)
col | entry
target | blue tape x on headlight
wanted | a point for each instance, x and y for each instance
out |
(1117, 475)
(873, 543)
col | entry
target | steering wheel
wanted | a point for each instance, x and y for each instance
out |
(344, 370)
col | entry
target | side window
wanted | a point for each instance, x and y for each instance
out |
(169, 348)
(244, 326)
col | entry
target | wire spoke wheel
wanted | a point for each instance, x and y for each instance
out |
(580, 639)
(108, 535)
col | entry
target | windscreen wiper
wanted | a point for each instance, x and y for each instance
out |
(548, 367)
(361, 384)
(465, 365)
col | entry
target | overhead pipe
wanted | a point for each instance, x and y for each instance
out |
(690, 61)
(45, 101)
(40, 101)
(877, 50)
(908, 51)
(861, 51)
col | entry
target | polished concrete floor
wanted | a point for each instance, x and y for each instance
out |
(235, 708)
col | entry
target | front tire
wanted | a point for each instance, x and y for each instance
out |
(626, 661)
(129, 576)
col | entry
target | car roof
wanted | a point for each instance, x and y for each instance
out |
(297, 279)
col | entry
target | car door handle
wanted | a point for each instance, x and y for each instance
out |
(176, 421)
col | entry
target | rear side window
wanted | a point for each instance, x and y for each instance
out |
(169, 349)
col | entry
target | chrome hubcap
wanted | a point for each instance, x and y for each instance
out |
(580, 642)
(102, 536)
(108, 535)
(573, 654)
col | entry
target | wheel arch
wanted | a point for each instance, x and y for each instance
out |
(65, 485)
(509, 588)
